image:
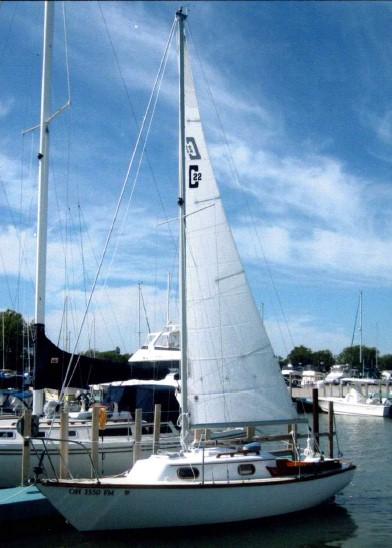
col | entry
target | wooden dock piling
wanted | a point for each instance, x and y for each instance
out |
(330, 428)
(26, 446)
(64, 446)
(95, 438)
(157, 427)
(137, 435)
(316, 429)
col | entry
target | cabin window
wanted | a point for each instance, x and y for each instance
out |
(246, 469)
(187, 472)
(162, 341)
(174, 340)
(7, 435)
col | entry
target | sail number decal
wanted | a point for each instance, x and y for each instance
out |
(194, 176)
(191, 148)
(91, 492)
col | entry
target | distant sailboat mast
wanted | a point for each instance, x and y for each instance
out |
(43, 157)
(361, 361)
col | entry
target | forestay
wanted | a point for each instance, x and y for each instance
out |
(233, 376)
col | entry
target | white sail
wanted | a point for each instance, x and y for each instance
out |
(233, 376)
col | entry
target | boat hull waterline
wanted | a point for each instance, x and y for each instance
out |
(86, 504)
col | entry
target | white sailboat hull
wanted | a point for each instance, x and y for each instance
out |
(90, 506)
(343, 407)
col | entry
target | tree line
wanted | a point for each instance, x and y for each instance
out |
(365, 357)
(16, 344)
(16, 347)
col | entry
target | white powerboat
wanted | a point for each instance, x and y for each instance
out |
(356, 403)
(161, 347)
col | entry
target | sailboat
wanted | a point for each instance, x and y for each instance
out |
(230, 378)
(356, 402)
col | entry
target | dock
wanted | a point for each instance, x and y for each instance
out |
(24, 503)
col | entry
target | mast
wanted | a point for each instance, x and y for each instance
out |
(3, 340)
(139, 309)
(182, 212)
(43, 158)
(360, 335)
(168, 298)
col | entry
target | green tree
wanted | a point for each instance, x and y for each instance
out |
(351, 356)
(323, 360)
(301, 355)
(15, 341)
(385, 362)
(113, 355)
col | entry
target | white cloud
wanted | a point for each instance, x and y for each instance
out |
(305, 330)
(310, 213)
(6, 106)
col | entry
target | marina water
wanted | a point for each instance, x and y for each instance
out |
(360, 517)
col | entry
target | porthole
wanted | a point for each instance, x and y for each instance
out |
(246, 469)
(187, 472)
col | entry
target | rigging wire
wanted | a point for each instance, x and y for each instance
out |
(66, 54)
(355, 323)
(107, 296)
(162, 204)
(69, 374)
(237, 181)
(145, 311)
(151, 117)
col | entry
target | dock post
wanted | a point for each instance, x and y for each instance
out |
(26, 446)
(137, 435)
(64, 448)
(250, 432)
(316, 437)
(197, 436)
(330, 428)
(157, 427)
(95, 438)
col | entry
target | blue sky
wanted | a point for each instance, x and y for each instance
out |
(296, 102)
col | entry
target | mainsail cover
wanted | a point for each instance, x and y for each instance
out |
(233, 375)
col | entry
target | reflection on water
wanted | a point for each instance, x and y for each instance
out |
(318, 527)
(360, 516)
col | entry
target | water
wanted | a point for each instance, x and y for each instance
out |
(360, 516)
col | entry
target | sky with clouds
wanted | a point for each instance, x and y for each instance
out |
(296, 103)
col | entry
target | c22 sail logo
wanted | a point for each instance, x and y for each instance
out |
(191, 148)
(194, 176)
